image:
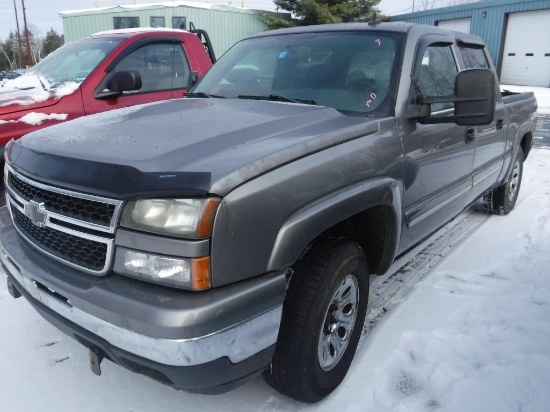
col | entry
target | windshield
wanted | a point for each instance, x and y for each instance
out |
(349, 71)
(74, 61)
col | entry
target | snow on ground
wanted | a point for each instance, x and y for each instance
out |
(473, 335)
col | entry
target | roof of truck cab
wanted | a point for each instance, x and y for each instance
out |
(137, 30)
(395, 27)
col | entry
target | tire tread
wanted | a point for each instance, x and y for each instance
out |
(284, 371)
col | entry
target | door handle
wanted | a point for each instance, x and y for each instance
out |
(470, 135)
(500, 124)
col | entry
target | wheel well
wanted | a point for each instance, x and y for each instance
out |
(375, 231)
(526, 142)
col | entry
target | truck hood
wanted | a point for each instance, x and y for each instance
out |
(185, 146)
(26, 93)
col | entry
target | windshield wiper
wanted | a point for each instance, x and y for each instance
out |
(277, 98)
(202, 94)
(42, 83)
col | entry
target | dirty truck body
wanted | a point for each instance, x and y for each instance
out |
(200, 241)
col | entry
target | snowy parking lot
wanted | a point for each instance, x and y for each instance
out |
(462, 324)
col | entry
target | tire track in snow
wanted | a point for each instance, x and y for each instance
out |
(390, 289)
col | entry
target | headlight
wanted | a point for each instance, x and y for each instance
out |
(191, 218)
(191, 274)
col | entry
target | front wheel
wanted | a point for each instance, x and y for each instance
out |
(322, 321)
(502, 199)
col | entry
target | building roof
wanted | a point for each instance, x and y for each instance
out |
(146, 6)
(467, 6)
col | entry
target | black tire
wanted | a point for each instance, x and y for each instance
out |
(502, 199)
(334, 267)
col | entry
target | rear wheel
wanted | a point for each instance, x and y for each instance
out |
(322, 321)
(502, 199)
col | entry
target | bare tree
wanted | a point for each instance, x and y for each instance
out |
(4, 53)
(37, 41)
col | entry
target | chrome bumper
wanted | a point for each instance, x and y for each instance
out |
(237, 343)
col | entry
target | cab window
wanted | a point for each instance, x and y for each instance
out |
(436, 74)
(162, 66)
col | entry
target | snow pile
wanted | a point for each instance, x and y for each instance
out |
(27, 90)
(37, 118)
(24, 91)
(65, 89)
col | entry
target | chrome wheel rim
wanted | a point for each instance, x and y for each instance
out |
(338, 324)
(514, 181)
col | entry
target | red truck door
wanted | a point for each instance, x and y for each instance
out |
(164, 69)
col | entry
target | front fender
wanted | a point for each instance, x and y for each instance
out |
(312, 220)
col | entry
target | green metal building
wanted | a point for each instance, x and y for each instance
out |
(225, 25)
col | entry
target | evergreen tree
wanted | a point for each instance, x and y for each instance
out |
(52, 42)
(307, 12)
(9, 53)
(41, 47)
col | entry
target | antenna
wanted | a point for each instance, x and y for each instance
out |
(374, 20)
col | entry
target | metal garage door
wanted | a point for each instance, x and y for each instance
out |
(526, 57)
(462, 25)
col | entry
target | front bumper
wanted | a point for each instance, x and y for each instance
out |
(188, 340)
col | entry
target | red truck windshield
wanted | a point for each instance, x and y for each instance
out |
(349, 71)
(74, 61)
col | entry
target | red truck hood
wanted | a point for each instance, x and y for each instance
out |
(18, 100)
(27, 93)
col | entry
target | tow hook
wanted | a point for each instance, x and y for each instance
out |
(96, 356)
(14, 292)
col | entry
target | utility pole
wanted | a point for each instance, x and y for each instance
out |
(413, 6)
(29, 51)
(21, 59)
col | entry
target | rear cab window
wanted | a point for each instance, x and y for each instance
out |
(473, 57)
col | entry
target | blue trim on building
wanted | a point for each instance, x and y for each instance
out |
(489, 19)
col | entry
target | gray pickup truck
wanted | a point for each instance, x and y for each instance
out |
(203, 240)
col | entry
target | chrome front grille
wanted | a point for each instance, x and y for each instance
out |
(74, 228)
(91, 211)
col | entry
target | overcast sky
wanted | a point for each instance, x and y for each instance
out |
(43, 14)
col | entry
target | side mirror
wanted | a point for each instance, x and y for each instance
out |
(122, 81)
(192, 80)
(474, 101)
(475, 90)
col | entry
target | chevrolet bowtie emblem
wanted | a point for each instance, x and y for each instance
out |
(36, 212)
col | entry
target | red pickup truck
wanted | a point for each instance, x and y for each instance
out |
(105, 71)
